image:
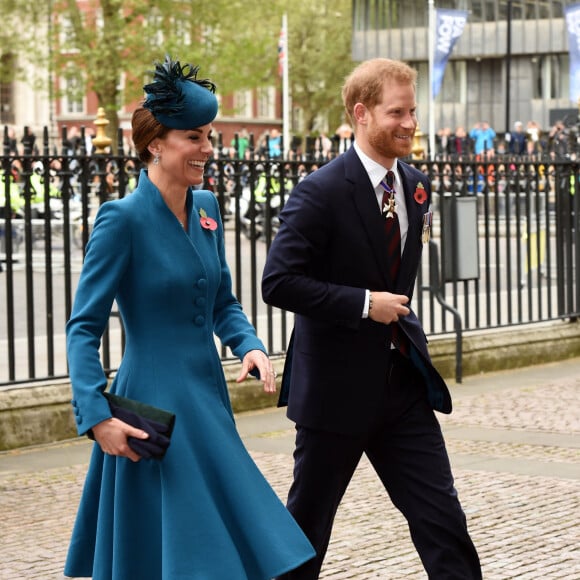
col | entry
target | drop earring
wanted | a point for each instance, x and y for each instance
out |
(156, 159)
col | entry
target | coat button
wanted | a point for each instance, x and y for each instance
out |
(201, 283)
(200, 301)
(199, 320)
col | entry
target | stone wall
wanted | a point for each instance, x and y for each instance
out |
(41, 413)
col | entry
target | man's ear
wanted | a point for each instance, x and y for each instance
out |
(359, 113)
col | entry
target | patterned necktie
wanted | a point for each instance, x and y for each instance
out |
(392, 229)
(393, 235)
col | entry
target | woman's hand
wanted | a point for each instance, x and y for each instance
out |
(111, 434)
(256, 359)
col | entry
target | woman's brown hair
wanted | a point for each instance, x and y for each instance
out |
(145, 128)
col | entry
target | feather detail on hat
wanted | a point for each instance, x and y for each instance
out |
(176, 90)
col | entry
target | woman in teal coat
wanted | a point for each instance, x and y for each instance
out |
(204, 511)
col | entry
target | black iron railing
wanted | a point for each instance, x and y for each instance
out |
(505, 245)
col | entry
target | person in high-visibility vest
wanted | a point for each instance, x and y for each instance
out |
(271, 184)
(16, 201)
(37, 184)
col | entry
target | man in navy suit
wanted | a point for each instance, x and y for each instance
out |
(349, 389)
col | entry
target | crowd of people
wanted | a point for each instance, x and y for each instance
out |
(528, 140)
(480, 142)
(30, 169)
(320, 146)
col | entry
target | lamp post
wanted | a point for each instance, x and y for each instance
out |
(508, 63)
(51, 100)
(431, 44)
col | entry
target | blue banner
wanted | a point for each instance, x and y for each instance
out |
(449, 26)
(573, 25)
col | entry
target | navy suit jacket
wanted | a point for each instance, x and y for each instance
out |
(330, 248)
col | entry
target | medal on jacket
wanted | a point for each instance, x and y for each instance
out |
(427, 222)
(389, 209)
(390, 206)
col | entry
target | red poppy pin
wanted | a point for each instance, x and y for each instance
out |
(206, 222)
(420, 194)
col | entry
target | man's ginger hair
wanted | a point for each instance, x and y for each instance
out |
(365, 83)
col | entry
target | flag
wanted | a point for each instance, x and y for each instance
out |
(281, 52)
(449, 26)
(573, 25)
(283, 72)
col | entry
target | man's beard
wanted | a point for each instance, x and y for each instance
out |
(388, 146)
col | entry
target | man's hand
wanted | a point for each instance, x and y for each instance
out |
(386, 307)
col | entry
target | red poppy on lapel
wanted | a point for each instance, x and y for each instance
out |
(420, 194)
(206, 222)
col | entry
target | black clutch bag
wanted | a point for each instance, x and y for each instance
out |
(158, 423)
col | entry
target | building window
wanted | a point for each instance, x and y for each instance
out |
(267, 103)
(382, 14)
(476, 12)
(550, 76)
(7, 93)
(454, 79)
(66, 32)
(243, 104)
(396, 14)
(560, 75)
(557, 8)
(182, 31)
(121, 92)
(73, 101)
(154, 21)
(525, 10)
(6, 103)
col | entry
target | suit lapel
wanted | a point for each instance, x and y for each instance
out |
(365, 201)
(415, 213)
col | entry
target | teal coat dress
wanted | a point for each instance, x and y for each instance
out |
(203, 512)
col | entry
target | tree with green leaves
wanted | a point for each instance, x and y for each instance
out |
(23, 42)
(320, 38)
(108, 46)
(113, 44)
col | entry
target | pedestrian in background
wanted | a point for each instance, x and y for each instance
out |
(275, 144)
(460, 143)
(558, 140)
(517, 139)
(358, 376)
(203, 510)
(343, 137)
(443, 143)
(483, 137)
(241, 143)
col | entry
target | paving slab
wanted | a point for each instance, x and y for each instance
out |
(513, 438)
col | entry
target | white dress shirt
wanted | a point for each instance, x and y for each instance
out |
(377, 173)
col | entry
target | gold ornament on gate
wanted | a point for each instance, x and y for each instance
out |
(101, 141)
(418, 150)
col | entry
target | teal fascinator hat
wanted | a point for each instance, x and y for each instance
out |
(177, 98)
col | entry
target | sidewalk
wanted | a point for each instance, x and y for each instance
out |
(514, 440)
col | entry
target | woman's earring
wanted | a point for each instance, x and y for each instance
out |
(156, 159)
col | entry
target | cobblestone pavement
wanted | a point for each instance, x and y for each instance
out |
(514, 440)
